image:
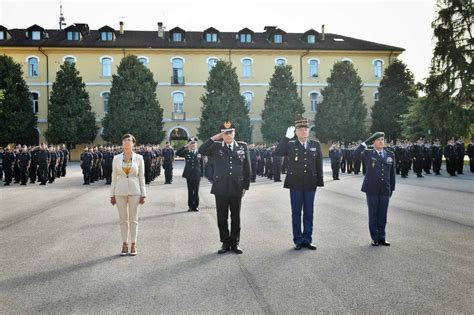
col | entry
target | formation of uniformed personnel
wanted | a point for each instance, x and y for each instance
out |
(168, 161)
(304, 175)
(378, 184)
(335, 154)
(231, 180)
(193, 171)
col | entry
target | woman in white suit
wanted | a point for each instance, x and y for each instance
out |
(128, 191)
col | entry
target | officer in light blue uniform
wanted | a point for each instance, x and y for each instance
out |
(378, 185)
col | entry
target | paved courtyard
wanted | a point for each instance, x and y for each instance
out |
(60, 246)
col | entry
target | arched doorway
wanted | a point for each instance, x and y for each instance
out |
(178, 136)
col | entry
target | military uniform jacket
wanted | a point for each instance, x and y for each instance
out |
(231, 168)
(305, 166)
(193, 169)
(380, 176)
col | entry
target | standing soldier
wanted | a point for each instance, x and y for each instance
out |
(65, 160)
(276, 165)
(253, 162)
(193, 171)
(418, 158)
(148, 160)
(59, 166)
(231, 181)
(350, 158)
(8, 161)
(436, 156)
(470, 154)
(427, 158)
(305, 174)
(24, 160)
(108, 160)
(16, 166)
(378, 185)
(86, 165)
(1, 163)
(405, 156)
(168, 161)
(43, 163)
(343, 158)
(335, 155)
(451, 157)
(52, 164)
(460, 152)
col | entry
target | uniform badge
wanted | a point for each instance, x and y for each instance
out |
(312, 149)
(389, 160)
(296, 158)
(199, 155)
(374, 160)
(240, 152)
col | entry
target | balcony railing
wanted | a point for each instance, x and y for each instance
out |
(178, 116)
(177, 80)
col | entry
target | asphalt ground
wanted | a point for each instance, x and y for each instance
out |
(61, 243)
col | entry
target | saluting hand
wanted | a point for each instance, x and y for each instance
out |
(290, 132)
(218, 136)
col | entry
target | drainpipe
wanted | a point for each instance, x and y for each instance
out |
(47, 77)
(390, 57)
(301, 73)
(230, 55)
(123, 50)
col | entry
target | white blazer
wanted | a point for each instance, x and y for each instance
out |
(134, 183)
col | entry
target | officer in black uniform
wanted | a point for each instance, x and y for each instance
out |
(276, 165)
(8, 161)
(253, 162)
(43, 163)
(86, 164)
(65, 160)
(470, 154)
(168, 161)
(450, 155)
(304, 175)
(108, 161)
(1, 163)
(24, 160)
(418, 157)
(378, 185)
(231, 180)
(335, 154)
(193, 171)
(460, 152)
(437, 157)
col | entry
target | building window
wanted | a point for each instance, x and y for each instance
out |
(178, 72)
(177, 37)
(314, 68)
(143, 61)
(311, 39)
(378, 68)
(70, 59)
(33, 67)
(73, 36)
(34, 102)
(211, 63)
(245, 38)
(105, 101)
(280, 61)
(106, 36)
(247, 67)
(178, 102)
(278, 38)
(313, 97)
(36, 35)
(2, 35)
(248, 96)
(376, 96)
(106, 67)
(211, 37)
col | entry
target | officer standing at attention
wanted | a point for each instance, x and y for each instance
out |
(470, 154)
(335, 155)
(8, 161)
(43, 163)
(193, 171)
(231, 180)
(86, 164)
(168, 160)
(304, 175)
(378, 185)
(24, 160)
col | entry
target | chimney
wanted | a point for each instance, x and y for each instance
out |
(269, 29)
(161, 30)
(121, 28)
(323, 36)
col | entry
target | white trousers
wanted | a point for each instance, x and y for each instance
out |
(128, 213)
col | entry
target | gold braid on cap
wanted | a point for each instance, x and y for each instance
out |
(227, 124)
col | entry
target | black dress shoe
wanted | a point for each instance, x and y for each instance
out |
(384, 243)
(236, 249)
(310, 246)
(224, 249)
(196, 209)
(375, 243)
(297, 246)
(190, 210)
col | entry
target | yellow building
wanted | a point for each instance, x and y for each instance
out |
(181, 60)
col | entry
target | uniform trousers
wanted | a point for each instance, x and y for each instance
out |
(223, 205)
(302, 200)
(128, 212)
(378, 206)
(168, 172)
(193, 192)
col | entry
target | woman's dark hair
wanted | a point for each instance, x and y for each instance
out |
(127, 135)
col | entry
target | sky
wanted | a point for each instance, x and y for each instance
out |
(401, 23)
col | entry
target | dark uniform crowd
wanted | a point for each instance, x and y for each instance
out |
(43, 164)
(420, 156)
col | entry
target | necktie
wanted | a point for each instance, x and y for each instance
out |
(381, 155)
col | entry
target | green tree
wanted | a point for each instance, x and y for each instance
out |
(133, 106)
(342, 114)
(282, 104)
(222, 101)
(452, 69)
(17, 120)
(70, 116)
(396, 88)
